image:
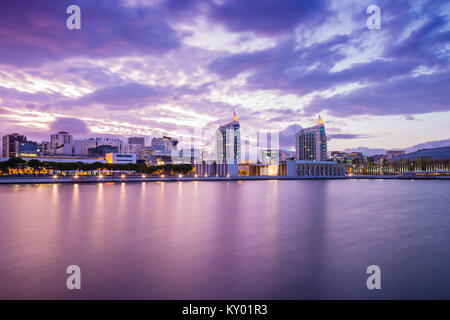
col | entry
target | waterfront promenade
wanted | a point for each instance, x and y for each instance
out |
(116, 179)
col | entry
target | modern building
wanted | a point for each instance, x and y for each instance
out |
(73, 149)
(115, 143)
(67, 159)
(164, 144)
(215, 169)
(120, 158)
(58, 140)
(352, 156)
(304, 168)
(11, 144)
(228, 142)
(135, 143)
(152, 156)
(311, 143)
(28, 149)
(102, 150)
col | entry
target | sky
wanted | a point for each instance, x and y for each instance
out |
(154, 67)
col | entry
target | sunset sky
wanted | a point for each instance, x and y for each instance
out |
(153, 67)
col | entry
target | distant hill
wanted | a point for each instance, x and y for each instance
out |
(425, 145)
(428, 145)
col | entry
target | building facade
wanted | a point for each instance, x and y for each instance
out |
(311, 143)
(120, 158)
(304, 168)
(214, 169)
(28, 149)
(59, 139)
(11, 143)
(164, 144)
(135, 143)
(228, 142)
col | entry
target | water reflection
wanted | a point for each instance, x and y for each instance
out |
(235, 239)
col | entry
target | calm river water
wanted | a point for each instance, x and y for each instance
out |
(226, 240)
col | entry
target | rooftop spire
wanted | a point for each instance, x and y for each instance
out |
(235, 118)
(320, 120)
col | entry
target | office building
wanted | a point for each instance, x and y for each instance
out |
(11, 144)
(228, 142)
(311, 143)
(113, 143)
(134, 143)
(58, 140)
(164, 144)
(28, 149)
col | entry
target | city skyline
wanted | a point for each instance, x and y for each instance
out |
(125, 73)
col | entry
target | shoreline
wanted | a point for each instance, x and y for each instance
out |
(96, 179)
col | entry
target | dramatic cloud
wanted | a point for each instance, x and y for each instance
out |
(152, 67)
(270, 17)
(33, 32)
(73, 125)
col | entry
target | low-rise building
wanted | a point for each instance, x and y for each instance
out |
(304, 168)
(120, 158)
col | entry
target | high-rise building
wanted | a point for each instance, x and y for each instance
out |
(228, 142)
(11, 144)
(311, 143)
(135, 143)
(59, 139)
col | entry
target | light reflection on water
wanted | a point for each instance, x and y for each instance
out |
(236, 240)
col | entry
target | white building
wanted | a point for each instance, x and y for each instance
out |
(59, 139)
(304, 168)
(124, 158)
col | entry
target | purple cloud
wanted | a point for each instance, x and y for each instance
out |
(270, 17)
(33, 32)
(72, 125)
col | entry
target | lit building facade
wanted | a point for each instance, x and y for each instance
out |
(28, 149)
(120, 158)
(11, 143)
(311, 143)
(228, 142)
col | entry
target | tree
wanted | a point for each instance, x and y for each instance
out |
(35, 164)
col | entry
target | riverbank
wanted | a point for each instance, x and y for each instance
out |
(116, 179)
